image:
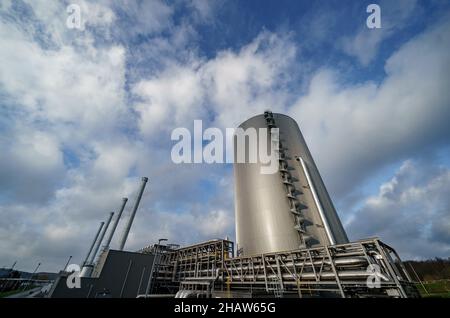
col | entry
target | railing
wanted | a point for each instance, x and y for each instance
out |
(367, 268)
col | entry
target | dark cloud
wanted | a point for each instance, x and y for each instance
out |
(411, 212)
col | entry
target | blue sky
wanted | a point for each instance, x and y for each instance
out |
(85, 112)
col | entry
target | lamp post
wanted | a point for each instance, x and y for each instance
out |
(161, 240)
(156, 259)
(31, 278)
(67, 264)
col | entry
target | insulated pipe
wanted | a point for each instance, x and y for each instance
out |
(93, 243)
(317, 202)
(100, 239)
(110, 236)
(133, 213)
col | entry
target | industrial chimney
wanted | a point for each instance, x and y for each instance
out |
(116, 222)
(87, 268)
(133, 213)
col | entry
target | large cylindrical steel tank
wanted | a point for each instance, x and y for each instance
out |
(288, 209)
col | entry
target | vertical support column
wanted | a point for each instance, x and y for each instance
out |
(265, 271)
(296, 276)
(333, 267)
(149, 287)
(280, 276)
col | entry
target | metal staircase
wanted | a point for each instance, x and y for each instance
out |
(296, 206)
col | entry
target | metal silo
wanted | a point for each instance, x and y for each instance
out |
(289, 209)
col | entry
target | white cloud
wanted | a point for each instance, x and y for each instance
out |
(204, 10)
(200, 224)
(355, 129)
(65, 85)
(142, 18)
(232, 86)
(77, 99)
(254, 79)
(170, 100)
(364, 45)
(214, 223)
(63, 102)
(395, 15)
(31, 165)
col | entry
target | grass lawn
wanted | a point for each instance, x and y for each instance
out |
(435, 289)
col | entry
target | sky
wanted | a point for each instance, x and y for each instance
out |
(85, 112)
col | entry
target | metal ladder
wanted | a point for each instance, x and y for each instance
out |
(274, 285)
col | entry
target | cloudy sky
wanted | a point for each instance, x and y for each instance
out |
(84, 113)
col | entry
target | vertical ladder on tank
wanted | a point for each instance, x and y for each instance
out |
(295, 205)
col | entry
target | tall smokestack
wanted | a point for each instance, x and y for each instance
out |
(87, 267)
(97, 246)
(93, 242)
(113, 229)
(133, 213)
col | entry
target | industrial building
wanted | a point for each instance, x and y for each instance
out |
(290, 243)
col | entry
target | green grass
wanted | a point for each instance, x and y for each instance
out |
(435, 289)
(15, 291)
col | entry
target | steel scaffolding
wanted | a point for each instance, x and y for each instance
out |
(366, 268)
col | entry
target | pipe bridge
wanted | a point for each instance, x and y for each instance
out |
(365, 268)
